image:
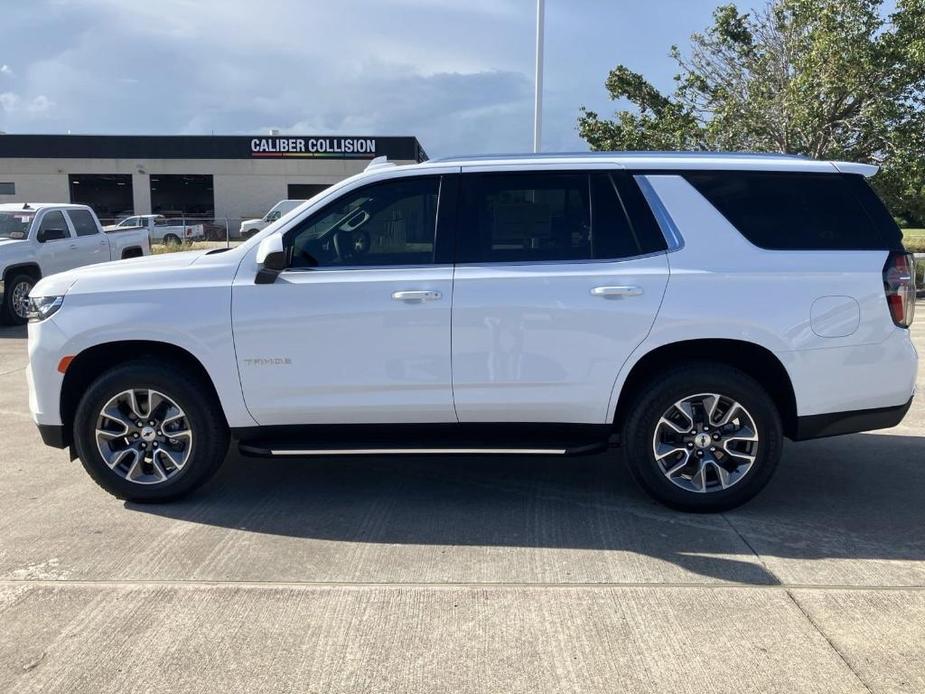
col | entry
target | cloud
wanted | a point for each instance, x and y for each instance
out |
(11, 102)
(456, 73)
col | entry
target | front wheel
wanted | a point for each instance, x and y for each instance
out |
(705, 437)
(15, 305)
(147, 431)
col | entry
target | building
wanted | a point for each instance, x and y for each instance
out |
(221, 177)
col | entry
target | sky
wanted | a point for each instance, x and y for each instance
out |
(458, 74)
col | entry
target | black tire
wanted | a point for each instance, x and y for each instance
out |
(682, 382)
(8, 315)
(183, 386)
(171, 239)
(250, 232)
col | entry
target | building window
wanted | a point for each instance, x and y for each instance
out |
(7, 189)
(110, 195)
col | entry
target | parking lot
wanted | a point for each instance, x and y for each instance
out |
(462, 574)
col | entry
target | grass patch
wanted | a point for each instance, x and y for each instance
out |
(914, 240)
(161, 248)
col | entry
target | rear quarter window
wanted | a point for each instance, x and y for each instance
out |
(804, 211)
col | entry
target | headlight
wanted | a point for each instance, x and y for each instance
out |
(42, 307)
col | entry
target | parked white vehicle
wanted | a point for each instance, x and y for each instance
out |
(694, 309)
(40, 239)
(249, 227)
(161, 229)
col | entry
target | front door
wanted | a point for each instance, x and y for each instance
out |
(357, 329)
(54, 251)
(560, 277)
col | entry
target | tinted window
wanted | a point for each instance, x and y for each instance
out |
(54, 220)
(621, 223)
(83, 222)
(388, 223)
(783, 211)
(526, 216)
(7, 189)
(534, 216)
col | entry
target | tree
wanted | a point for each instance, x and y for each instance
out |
(831, 79)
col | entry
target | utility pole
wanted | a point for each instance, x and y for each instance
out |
(538, 95)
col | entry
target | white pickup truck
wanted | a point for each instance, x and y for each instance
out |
(40, 239)
(161, 229)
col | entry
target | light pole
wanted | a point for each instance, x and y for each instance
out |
(538, 94)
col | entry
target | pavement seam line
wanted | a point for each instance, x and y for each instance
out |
(90, 583)
(7, 373)
(796, 603)
(829, 641)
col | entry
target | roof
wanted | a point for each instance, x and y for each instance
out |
(744, 161)
(35, 206)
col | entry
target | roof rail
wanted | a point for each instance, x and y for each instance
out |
(379, 163)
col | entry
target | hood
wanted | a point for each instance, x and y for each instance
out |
(10, 242)
(54, 285)
(255, 220)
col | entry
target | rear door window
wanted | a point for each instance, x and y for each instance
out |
(552, 216)
(800, 211)
(83, 222)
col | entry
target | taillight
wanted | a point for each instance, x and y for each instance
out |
(899, 286)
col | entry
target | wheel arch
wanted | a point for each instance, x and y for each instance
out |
(89, 364)
(132, 252)
(30, 268)
(757, 361)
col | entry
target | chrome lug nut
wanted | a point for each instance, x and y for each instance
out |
(135, 435)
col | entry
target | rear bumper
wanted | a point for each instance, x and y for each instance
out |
(818, 426)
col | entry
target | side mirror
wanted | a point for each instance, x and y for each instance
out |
(271, 259)
(50, 235)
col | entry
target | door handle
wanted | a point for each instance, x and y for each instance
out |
(617, 291)
(417, 295)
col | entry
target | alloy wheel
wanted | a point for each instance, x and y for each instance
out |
(20, 298)
(144, 436)
(705, 443)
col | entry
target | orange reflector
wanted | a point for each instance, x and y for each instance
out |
(64, 363)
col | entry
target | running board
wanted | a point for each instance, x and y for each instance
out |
(260, 451)
(422, 439)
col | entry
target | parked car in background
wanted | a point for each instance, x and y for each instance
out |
(694, 309)
(40, 239)
(249, 227)
(161, 229)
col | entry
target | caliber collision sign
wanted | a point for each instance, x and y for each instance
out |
(337, 147)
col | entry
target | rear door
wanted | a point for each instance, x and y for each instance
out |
(89, 245)
(559, 277)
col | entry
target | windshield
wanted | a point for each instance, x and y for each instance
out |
(15, 225)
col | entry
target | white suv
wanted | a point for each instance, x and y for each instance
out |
(692, 309)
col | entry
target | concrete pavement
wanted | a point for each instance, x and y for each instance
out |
(461, 575)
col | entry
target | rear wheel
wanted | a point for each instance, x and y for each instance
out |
(146, 431)
(171, 240)
(16, 299)
(705, 437)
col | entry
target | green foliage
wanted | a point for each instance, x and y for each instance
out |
(831, 79)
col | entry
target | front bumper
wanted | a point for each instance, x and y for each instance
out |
(54, 435)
